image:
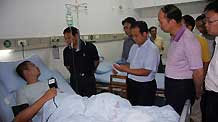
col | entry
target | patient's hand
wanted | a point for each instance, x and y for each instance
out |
(50, 94)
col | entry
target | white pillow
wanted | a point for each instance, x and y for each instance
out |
(62, 83)
(6, 100)
(104, 67)
(9, 78)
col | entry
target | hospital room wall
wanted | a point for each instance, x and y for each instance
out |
(40, 18)
(31, 18)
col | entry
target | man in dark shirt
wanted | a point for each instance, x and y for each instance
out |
(81, 59)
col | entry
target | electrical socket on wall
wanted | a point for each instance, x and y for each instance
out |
(22, 42)
(54, 40)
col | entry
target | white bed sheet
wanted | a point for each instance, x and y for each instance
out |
(104, 107)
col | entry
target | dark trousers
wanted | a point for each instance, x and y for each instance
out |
(209, 106)
(83, 85)
(141, 93)
(178, 91)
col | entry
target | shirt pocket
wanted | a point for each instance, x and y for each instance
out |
(138, 62)
(177, 54)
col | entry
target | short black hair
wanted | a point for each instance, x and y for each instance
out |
(129, 20)
(212, 6)
(152, 27)
(189, 20)
(172, 12)
(72, 30)
(200, 17)
(21, 67)
(142, 25)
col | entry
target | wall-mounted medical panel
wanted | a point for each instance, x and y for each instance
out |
(97, 38)
(54, 41)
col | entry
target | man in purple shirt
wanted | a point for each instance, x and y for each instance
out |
(184, 68)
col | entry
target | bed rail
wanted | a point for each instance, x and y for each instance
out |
(185, 116)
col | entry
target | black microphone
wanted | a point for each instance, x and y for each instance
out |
(52, 83)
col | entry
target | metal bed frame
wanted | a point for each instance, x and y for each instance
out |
(185, 116)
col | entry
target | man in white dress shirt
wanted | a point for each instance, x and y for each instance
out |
(210, 97)
(143, 62)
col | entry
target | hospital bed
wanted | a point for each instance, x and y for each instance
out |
(105, 80)
(10, 82)
(185, 116)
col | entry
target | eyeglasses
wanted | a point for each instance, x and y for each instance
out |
(210, 21)
(125, 27)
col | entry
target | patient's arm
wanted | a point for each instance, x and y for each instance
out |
(28, 113)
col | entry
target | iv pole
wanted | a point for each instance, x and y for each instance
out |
(77, 7)
(69, 18)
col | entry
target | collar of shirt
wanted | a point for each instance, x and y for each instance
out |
(216, 39)
(209, 37)
(158, 37)
(130, 38)
(179, 33)
(215, 43)
(81, 44)
(145, 43)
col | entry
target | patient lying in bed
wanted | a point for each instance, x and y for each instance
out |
(33, 90)
(65, 107)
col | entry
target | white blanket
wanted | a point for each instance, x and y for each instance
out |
(103, 107)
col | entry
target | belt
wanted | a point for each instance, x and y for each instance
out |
(211, 92)
(85, 74)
